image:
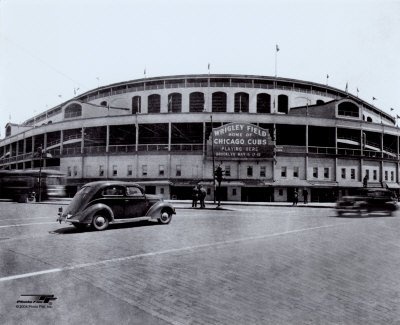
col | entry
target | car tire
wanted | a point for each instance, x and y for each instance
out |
(165, 217)
(339, 213)
(100, 222)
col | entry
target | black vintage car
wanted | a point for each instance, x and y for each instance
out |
(368, 201)
(101, 203)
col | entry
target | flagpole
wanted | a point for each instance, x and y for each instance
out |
(276, 60)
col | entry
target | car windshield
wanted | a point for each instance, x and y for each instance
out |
(79, 199)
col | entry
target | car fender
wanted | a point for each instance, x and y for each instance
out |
(92, 209)
(155, 210)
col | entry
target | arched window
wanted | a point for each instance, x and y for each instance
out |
(283, 104)
(320, 102)
(154, 103)
(241, 102)
(175, 103)
(219, 102)
(103, 103)
(348, 109)
(369, 119)
(136, 104)
(73, 110)
(263, 103)
(196, 102)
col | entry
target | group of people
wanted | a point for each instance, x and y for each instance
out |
(198, 194)
(296, 196)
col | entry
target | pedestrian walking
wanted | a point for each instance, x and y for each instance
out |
(202, 196)
(195, 197)
(305, 196)
(295, 197)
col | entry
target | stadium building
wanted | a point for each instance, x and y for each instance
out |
(158, 131)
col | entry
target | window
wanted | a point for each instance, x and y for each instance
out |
(386, 175)
(208, 191)
(219, 102)
(101, 170)
(115, 170)
(161, 170)
(144, 170)
(113, 190)
(175, 103)
(263, 103)
(133, 191)
(69, 173)
(136, 104)
(326, 172)
(154, 103)
(392, 176)
(375, 174)
(129, 172)
(295, 171)
(241, 102)
(283, 171)
(73, 110)
(283, 104)
(348, 109)
(178, 170)
(353, 173)
(234, 192)
(161, 190)
(196, 102)
(343, 173)
(75, 171)
(227, 170)
(262, 171)
(280, 192)
(315, 172)
(367, 173)
(249, 171)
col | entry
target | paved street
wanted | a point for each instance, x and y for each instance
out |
(245, 265)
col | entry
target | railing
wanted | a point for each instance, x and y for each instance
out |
(72, 137)
(121, 148)
(355, 139)
(96, 149)
(343, 112)
(348, 152)
(53, 143)
(293, 149)
(54, 152)
(322, 150)
(71, 151)
(152, 147)
(186, 147)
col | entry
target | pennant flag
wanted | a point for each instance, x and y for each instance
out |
(397, 116)
(373, 98)
(144, 72)
(277, 48)
(347, 86)
(357, 89)
(391, 109)
(327, 76)
(209, 67)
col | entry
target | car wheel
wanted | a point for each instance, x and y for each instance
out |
(100, 222)
(165, 217)
(339, 213)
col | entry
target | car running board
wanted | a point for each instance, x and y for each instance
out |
(131, 220)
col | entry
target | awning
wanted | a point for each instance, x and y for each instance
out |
(161, 182)
(223, 183)
(291, 183)
(392, 185)
(350, 184)
(323, 183)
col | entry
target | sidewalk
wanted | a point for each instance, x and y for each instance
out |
(187, 204)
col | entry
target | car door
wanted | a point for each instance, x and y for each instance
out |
(135, 202)
(113, 196)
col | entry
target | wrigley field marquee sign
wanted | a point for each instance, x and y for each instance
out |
(240, 141)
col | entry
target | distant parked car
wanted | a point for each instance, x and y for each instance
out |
(367, 201)
(101, 203)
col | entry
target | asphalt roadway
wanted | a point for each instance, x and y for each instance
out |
(242, 265)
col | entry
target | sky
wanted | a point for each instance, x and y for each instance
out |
(48, 48)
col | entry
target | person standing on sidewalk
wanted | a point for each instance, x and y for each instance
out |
(295, 197)
(305, 195)
(195, 197)
(202, 196)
